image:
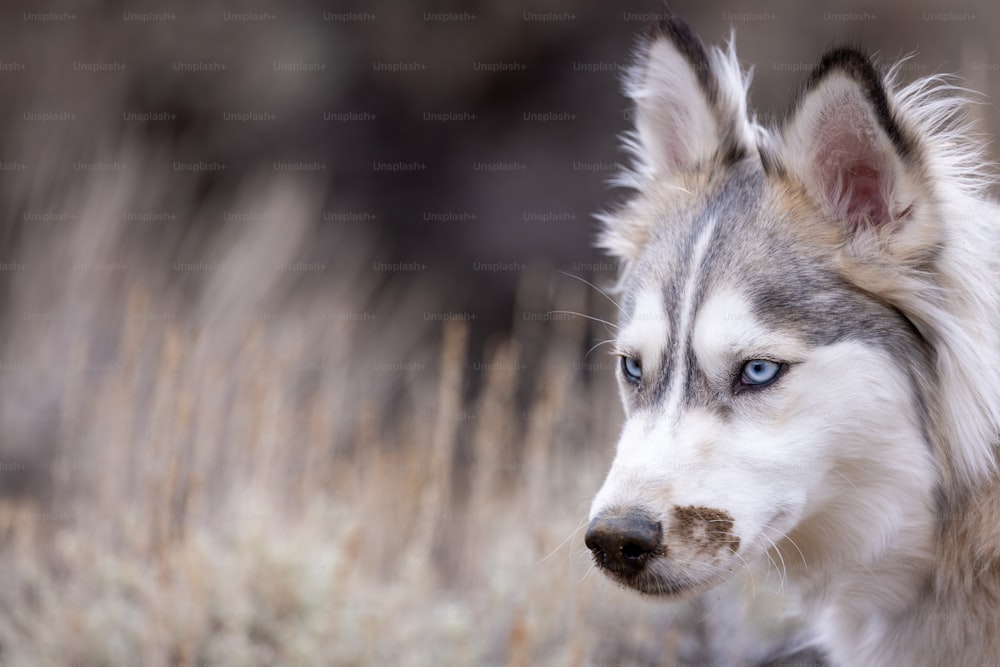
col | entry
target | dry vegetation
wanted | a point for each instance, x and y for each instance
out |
(240, 466)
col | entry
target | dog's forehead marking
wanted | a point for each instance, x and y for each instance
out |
(686, 311)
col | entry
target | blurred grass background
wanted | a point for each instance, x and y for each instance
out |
(286, 365)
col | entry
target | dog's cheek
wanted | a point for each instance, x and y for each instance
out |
(756, 467)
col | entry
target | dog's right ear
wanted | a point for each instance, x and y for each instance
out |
(690, 103)
(690, 111)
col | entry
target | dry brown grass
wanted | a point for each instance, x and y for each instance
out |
(236, 472)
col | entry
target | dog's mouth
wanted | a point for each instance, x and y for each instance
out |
(660, 578)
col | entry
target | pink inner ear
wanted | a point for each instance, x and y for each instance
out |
(851, 167)
(860, 199)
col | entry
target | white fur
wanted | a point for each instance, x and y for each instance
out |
(648, 330)
(734, 84)
(675, 125)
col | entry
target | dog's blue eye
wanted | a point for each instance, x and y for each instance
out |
(632, 369)
(760, 372)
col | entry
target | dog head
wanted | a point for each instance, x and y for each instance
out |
(780, 317)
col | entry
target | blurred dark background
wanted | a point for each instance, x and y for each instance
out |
(467, 141)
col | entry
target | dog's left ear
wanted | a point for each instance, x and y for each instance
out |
(846, 146)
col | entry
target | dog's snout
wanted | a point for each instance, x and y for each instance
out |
(623, 541)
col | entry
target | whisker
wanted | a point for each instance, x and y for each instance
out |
(709, 612)
(753, 582)
(589, 317)
(783, 572)
(728, 533)
(599, 290)
(802, 556)
(603, 342)
(847, 479)
(569, 537)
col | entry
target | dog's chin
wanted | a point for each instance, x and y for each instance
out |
(659, 582)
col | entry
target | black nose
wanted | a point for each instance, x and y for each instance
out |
(623, 541)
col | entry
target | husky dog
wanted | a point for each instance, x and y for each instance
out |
(810, 353)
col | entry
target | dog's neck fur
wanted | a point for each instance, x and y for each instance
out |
(929, 597)
(855, 599)
(931, 591)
